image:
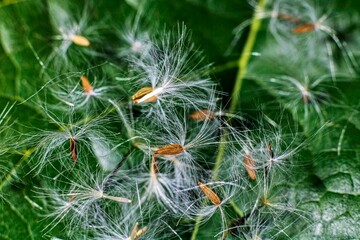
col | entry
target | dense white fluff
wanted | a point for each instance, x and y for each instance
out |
(173, 69)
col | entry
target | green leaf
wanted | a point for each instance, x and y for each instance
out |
(21, 208)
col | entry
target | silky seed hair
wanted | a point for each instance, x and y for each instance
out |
(71, 143)
(82, 197)
(155, 184)
(166, 77)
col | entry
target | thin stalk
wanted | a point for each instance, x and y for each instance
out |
(118, 166)
(13, 171)
(224, 67)
(242, 69)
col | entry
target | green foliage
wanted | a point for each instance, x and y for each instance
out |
(322, 179)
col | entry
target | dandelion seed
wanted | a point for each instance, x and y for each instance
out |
(80, 40)
(144, 95)
(83, 202)
(288, 17)
(135, 36)
(303, 94)
(120, 225)
(136, 233)
(171, 149)
(203, 115)
(180, 146)
(212, 112)
(265, 201)
(271, 153)
(54, 146)
(73, 28)
(197, 208)
(88, 89)
(304, 28)
(73, 149)
(97, 194)
(212, 196)
(140, 232)
(83, 95)
(170, 77)
(250, 166)
(160, 186)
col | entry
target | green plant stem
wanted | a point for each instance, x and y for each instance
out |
(242, 69)
(224, 67)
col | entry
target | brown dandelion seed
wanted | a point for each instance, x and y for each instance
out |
(73, 149)
(86, 85)
(271, 153)
(289, 18)
(212, 196)
(202, 115)
(80, 40)
(265, 201)
(140, 232)
(305, 28)
(250, 166)
(116, 199)
(171, 149)
(136, 233)
(141, 94)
